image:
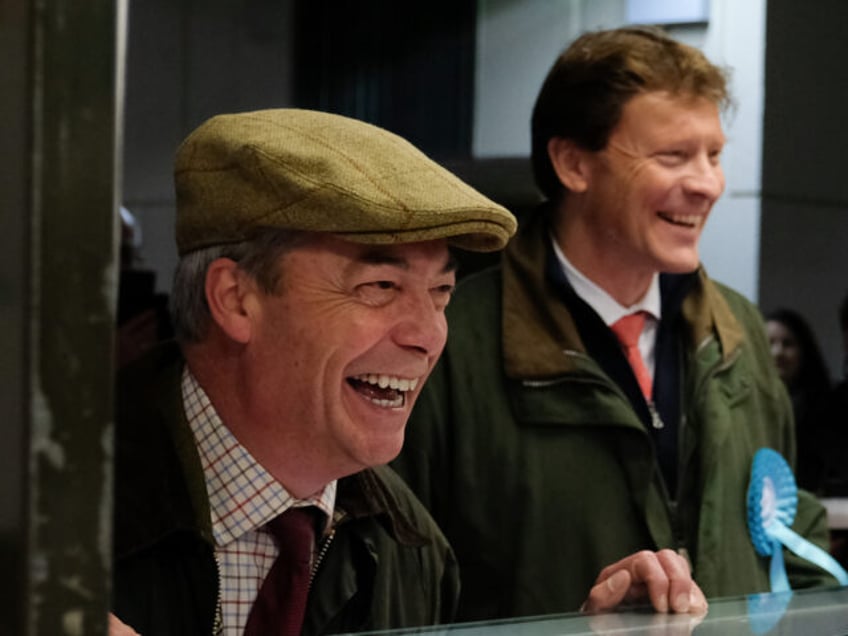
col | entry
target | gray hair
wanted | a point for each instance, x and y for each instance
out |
(258, 257)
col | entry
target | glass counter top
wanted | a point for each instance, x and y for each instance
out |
(821, 612)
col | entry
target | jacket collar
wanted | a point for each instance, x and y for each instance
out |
(538, 331)
(368, 494)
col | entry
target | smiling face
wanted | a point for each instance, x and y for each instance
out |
(337, 358)
(638, 206)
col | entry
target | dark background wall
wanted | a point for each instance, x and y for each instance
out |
(187, 61)
(804, 233)
(408, 67)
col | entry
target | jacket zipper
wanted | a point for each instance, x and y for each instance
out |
(656, 420)
(218, 624)
(322, 552)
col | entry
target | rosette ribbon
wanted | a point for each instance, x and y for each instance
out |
(772, 503)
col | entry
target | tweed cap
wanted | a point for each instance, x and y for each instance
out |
(308, 170)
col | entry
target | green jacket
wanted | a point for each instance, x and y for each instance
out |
(539, 471)
(388, 565)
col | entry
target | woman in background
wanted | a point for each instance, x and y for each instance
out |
(802, 368)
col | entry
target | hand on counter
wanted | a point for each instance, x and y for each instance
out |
(660, 578)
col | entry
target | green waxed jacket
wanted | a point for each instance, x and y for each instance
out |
(540, 472)
(388, 565)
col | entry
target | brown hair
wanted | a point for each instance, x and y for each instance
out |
(588, 85)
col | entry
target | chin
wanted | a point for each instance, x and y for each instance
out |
(683, 269)
(381, 453)
(391, 453)
(684, 265)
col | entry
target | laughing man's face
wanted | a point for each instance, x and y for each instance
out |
(652, 187)
(346, 344)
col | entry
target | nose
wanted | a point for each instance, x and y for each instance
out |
(706, 179)
(421, 325)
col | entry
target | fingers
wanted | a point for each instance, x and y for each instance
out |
(118, 628)
(663, 578)
(667, 577)
(610, 592)
(697, 601)
(683, 594)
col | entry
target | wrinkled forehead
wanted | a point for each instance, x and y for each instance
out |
(671, 113)
(434, 254)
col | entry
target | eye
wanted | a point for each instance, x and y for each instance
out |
(441, 295)
(673, 157)
(377, 292)
(715, 157)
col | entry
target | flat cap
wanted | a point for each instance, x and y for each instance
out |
(308, 170)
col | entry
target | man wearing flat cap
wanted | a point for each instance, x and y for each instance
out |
(252, 495)
(309, 309)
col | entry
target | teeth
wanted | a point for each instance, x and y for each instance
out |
(389, 404)
(682, 219)
(387, 381)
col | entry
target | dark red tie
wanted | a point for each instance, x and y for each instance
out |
(628, 330)
(280, 605)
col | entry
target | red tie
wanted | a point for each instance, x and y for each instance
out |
(280, 605)
(628, 330)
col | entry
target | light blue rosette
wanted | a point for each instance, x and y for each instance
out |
(772, 503)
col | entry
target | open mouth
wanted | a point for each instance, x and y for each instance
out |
(386, 391)
(682, 220)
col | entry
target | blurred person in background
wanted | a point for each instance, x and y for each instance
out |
(802, 368)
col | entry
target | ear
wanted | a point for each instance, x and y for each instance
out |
(567, 159)
(226, 289)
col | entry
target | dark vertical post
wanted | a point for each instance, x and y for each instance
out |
(57, 293)
(15, 28)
